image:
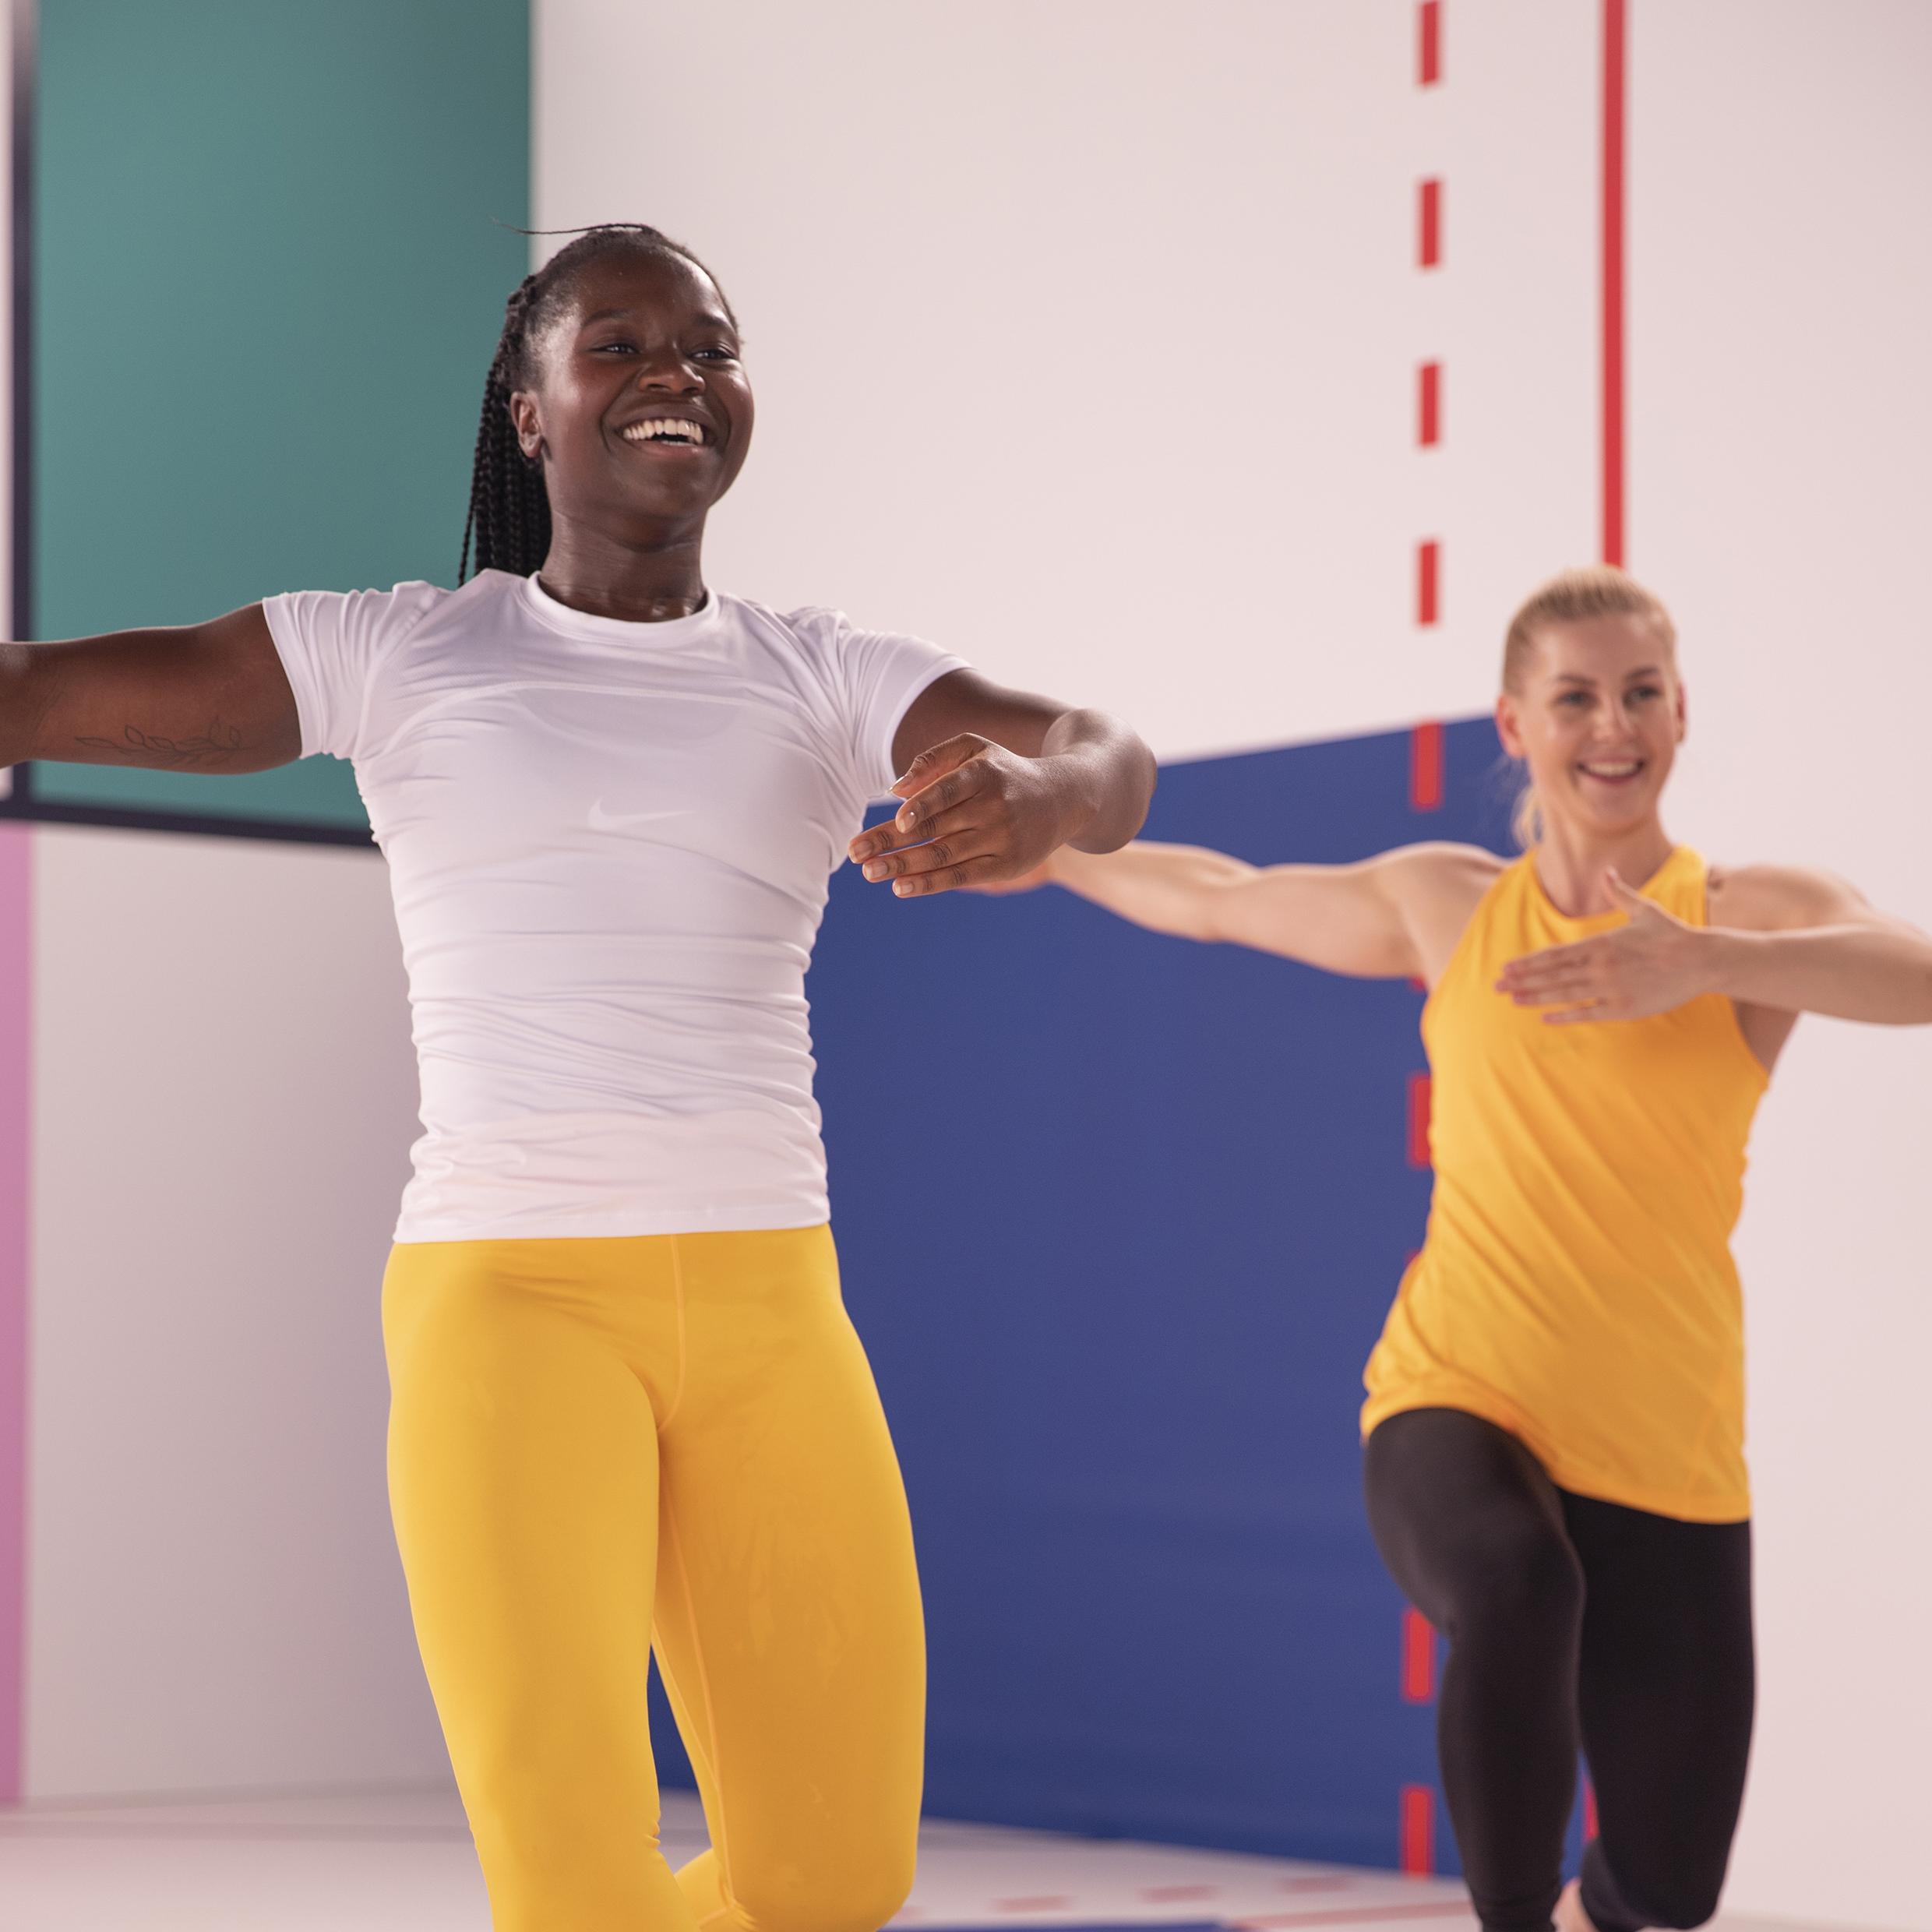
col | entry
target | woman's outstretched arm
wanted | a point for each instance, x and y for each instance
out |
(1786, 939)
(1394, 917)
(207, 697)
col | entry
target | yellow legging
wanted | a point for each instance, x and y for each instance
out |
(596, 1444)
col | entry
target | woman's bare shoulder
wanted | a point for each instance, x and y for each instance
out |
(1771, 898)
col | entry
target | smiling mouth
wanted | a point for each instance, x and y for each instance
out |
(1612, 771)
(668, 432)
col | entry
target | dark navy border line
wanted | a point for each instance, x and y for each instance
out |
(192, 824)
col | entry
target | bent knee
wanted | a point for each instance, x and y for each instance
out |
(1520, 1585)
(1675, 1901)
(1679, 1907)
(858, 1895)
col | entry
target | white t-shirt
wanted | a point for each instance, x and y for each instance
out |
(609, 846)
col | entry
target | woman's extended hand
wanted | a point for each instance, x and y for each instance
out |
(1654, 963)
(975, 815)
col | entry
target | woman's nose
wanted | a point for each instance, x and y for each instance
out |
(669, 370)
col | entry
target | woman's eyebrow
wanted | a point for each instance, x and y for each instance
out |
(705, 319)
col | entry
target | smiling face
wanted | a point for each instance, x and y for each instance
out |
(638, 405)
(1596, 710)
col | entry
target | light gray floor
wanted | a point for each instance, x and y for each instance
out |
(401, 1861)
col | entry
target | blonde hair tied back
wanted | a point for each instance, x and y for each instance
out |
(1571, 597)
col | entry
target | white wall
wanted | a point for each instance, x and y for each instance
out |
(1781, 287)
(1085, 336)
(223, 1099)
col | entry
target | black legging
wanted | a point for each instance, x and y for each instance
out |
(1565, 1615)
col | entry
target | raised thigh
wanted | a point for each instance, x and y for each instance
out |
(1466, 1519)
(524, 1478)
(788, 1616)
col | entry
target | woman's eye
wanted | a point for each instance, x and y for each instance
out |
(614, 348)
(717, 353)
(1575, 700)
(1646, 691)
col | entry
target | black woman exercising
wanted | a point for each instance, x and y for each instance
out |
(628, 1406)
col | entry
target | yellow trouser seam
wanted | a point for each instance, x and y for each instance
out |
(677, 1290)
(720, 1838)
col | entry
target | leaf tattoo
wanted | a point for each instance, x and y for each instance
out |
(216, 744)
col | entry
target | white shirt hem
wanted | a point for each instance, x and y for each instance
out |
(413, 1232)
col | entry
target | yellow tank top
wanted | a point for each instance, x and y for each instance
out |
(1576, 1286)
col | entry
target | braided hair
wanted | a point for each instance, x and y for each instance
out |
(509, 507)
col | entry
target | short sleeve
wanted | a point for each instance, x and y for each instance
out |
(331, 643)
(878, 674)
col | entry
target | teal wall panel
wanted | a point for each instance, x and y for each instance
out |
(268, 281)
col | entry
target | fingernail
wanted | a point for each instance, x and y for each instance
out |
(864, 849)
(907, 821)
(902, 887)
(876, 870)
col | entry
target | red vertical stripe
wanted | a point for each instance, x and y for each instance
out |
(1425, 768)
(1419, 1657)
(1428, 50)
(1429, 405)
(1418, 1830)
(1419, 1102)
(1428, 580)
(1429, 225)
(1589, 1810)
(1614, 47)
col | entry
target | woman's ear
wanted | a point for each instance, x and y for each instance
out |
(1683, 712)
(1507, 727)
(523, 416)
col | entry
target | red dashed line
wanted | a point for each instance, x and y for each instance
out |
(1158, 1892)
(1425, 768)
(1429, 43)
(1418, 1803)
(1429, 405)
(1429, 225)
(1418, 1830)
(1058, 1901)
(1327, 1881)
(1419, 1657)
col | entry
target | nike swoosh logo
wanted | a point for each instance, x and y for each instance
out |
(603, 821)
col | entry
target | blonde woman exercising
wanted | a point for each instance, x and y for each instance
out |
(1554, 1428)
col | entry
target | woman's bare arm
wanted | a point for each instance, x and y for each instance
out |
(1395, 916)
(1782, 939)
(210, 697)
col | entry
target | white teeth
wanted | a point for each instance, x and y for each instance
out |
(674, 428)
(1627, 770)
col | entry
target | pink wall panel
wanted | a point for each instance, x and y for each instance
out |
(16, 850)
